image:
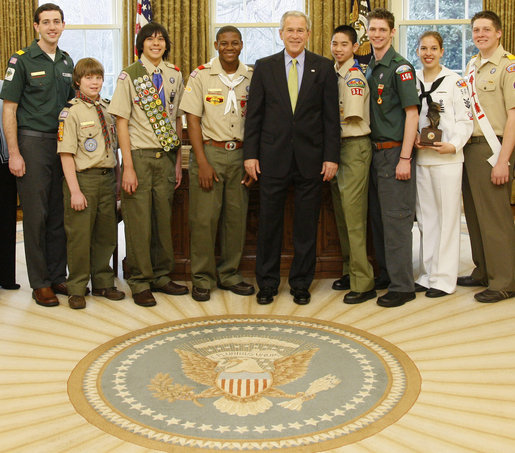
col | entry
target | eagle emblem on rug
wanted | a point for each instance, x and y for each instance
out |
(244, 372)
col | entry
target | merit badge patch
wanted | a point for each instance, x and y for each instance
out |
(90, 145)
(356, 83)
(9, 74)
(511, 68)
(214, 99)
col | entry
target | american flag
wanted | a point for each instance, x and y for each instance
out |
(143, 17)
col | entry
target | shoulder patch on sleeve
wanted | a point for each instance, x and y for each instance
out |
(356, 83)
(122, 75)
(9, 74)
(13, 60)
(461, 83)
(20, 52)
(402, 69)
(511, 68)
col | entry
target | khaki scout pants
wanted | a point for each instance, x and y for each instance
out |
(224, 205)
(147, 216)
(91, 233)
(489, 220)
(350, 200)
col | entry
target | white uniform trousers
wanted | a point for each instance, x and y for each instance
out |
(438, 211)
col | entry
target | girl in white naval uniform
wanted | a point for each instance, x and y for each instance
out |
(439, 169)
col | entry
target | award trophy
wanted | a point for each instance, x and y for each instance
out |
(431, 134)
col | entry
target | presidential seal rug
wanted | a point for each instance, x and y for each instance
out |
(244, 383)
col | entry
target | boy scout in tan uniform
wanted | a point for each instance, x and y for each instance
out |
(90, 188)
(350, 187)
(489, 160)
(148, 125)
(215, 101)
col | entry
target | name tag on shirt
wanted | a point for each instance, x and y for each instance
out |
(38, 74)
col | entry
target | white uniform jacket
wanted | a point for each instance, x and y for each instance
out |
(456, 121)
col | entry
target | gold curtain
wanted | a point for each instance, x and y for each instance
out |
(505, 9)
(326, 16)
(16, 30)
(129, 21)
(187, 22)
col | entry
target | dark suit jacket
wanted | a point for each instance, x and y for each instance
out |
(274, 135)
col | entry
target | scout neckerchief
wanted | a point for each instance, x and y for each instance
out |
(480, 115)
(427, 94)
(148, 99)
(231, 96)
(79, 95)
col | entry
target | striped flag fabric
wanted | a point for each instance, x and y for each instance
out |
(143, 17)
(358, 18)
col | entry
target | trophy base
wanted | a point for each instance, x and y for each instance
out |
(430, 135)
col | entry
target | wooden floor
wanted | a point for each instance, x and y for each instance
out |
(465, 352)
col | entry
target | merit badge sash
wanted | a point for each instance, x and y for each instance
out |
(149, 101)
(481, 118)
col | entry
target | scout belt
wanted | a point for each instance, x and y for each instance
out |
(148, 100)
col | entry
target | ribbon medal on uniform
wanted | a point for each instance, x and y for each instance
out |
(90, 145)
(380, 89)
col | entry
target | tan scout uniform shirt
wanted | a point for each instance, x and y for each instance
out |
(125, 103)
(354, 96)
(80, 134)
(206, 97)
(495, 85)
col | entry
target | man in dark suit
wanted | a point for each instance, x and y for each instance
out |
(292, 136)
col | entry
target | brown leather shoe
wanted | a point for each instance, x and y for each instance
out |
(200, 294)
(109, 293)
(171, 288)
(77, 302)
(241, 289)
(60, 288)
(45, 297)
(144, 298)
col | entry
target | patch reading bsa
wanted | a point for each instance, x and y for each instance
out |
(356, 83)
(9, 74)
(511, 68)
(356, 91)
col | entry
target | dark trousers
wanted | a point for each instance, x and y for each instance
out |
(391, 213)
(41, 197)
(7, 226)
(272, 197)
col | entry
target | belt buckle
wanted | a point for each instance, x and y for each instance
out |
(230, 146)
(104, 171)
(158, 154)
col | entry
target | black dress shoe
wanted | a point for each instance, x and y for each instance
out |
(419, 288)
(468, 280)
(10, 285)
(301, 296)
(381, 283)
(200, 294)
(355, 297)
(266, 295)
(490, 296)
(342, 283)
(433, 292)
(241, 289)
(395, 298)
